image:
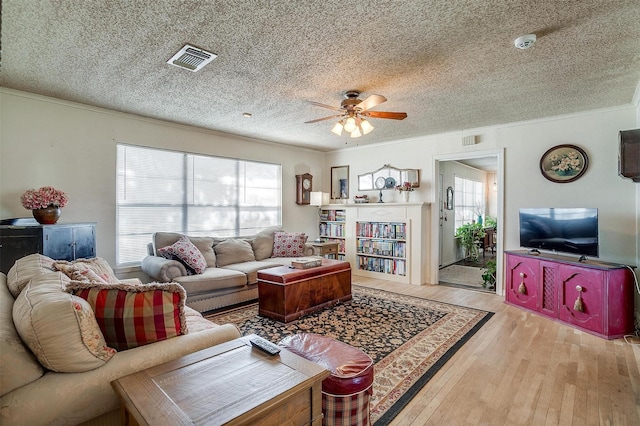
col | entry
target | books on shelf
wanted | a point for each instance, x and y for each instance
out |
(306, 262)
(386, 266)
(331, 229)
(395, 231)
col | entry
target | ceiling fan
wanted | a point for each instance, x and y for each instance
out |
(352, 113)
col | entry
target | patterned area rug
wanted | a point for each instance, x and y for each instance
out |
(408, 338)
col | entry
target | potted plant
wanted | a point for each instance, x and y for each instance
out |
(469, 236)
(489, 275)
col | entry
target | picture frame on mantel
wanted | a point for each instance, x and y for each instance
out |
(564, 163)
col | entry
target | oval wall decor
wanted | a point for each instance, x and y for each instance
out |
(564, 163)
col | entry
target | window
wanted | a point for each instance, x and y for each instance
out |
(469, 200)
(197, 195)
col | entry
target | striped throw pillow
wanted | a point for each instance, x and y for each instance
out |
(135, 315)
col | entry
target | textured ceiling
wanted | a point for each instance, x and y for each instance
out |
(450, 65)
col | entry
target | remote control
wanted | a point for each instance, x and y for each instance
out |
(265, 345)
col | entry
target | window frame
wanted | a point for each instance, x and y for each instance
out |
(190, 194)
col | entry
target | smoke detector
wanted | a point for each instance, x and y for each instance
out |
(191, 58)
(525, 41)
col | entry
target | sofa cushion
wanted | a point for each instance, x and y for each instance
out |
(187, 252)
(135, 315)
(287, 244)
(58, 327)
(204, 244)
(250, 269)
(212, 279)
(233, 250)
(262, 243)
(94, 269)
(26, 268)
(18, 366)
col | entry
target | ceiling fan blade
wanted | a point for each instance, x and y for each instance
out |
(371, 101)
(386, 114)
(324, 118)
(325, 106)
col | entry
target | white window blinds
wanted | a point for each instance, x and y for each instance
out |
(196, 195)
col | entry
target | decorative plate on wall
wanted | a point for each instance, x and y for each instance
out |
(564, 163)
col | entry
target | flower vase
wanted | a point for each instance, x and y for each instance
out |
(48, 215)
(405, 196)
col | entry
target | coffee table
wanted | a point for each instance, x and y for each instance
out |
(285, 294)
(227, 384)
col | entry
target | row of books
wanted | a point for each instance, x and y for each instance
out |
(332, 215)
(387, 266)
(382, 248)
(396, 231)
(331, 229)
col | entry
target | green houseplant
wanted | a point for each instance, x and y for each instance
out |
(469, 236)
(489, 275)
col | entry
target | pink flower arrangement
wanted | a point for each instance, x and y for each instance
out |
(44, 197)
(405, 187)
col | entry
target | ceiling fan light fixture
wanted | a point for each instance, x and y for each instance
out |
(350, 125)
(356, 133)
(365, 126)
(337, 129)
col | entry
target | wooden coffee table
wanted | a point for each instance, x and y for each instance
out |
(285, 294)
(227, 384)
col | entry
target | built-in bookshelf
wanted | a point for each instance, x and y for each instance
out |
(389, 241)
(332, 228)
(382, 247)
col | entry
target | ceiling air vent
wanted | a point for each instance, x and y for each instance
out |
(191, 58)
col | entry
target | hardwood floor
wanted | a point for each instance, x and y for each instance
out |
(523, 369)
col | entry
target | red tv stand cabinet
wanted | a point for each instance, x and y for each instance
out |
(594, 296)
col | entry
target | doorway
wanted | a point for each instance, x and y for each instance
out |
(451, 260)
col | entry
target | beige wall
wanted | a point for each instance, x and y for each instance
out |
(520, 146)
(44, 141)
(72, 147)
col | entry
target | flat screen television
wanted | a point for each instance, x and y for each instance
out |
(566, 230)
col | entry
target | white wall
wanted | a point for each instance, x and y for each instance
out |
(522, 184)
(44, 141)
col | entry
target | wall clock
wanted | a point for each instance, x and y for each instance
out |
(303, 188)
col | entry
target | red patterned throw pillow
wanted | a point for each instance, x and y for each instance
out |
(187, 252)
(288, 244)
(135, 315)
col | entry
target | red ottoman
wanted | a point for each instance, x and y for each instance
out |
(346, 392)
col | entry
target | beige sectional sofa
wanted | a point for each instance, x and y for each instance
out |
(49, 373)
(232, 264)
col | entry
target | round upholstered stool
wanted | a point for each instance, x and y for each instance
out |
(347, 390)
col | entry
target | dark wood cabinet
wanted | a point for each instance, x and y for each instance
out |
(61, 242)
(593, 296)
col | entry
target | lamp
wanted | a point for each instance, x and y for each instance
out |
(318, 198)
(350, 125)
(365, 126)
(337, 129)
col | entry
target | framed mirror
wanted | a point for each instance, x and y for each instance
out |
(392, 177)
(339, 182)
(449, 201)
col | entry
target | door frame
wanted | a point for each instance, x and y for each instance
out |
(435, 219)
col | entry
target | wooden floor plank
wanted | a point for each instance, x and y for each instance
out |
(522, 368)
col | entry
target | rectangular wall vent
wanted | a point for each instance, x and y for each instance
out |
(469, 140)
(191, 58)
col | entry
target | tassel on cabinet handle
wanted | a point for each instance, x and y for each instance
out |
(577, 305)
(521, 288)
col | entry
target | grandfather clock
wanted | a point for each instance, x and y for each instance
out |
(303, 188)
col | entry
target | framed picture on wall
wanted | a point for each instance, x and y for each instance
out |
(564, 163)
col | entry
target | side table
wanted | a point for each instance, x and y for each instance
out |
(325, 249)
